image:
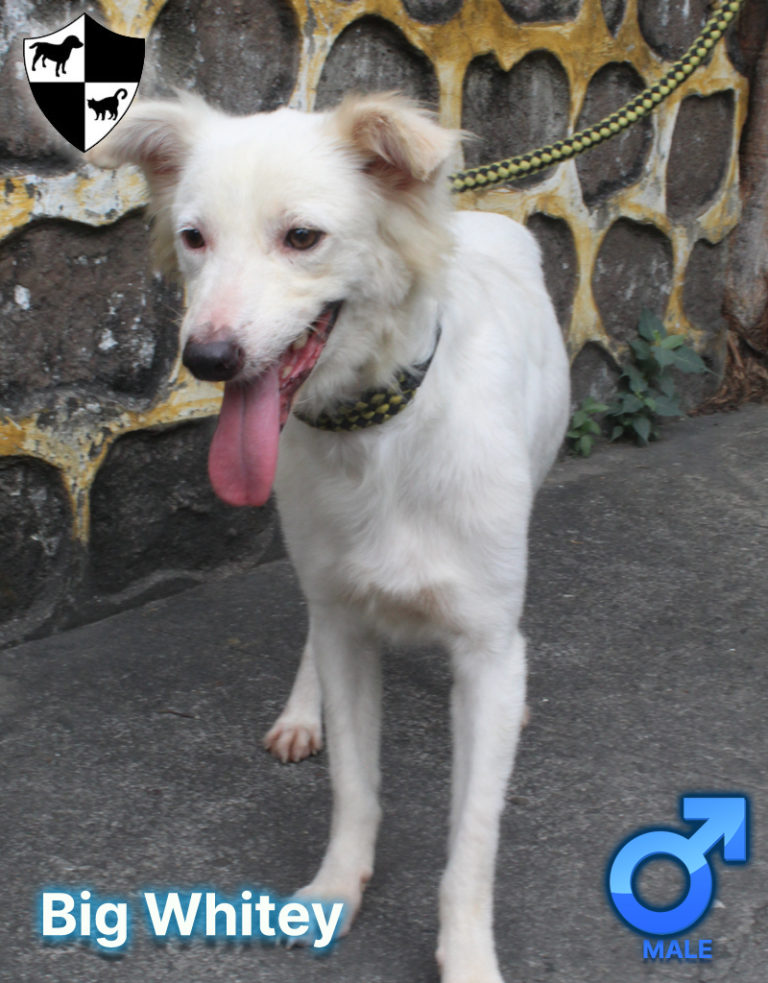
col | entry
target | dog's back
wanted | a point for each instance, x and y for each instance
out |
(521, 376)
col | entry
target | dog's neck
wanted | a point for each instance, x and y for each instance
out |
(376, 405)
(375, 347)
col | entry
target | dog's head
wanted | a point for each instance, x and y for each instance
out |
(298, 236)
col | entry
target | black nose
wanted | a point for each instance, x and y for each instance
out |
(214, 361)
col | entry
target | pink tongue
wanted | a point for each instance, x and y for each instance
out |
(243, 454)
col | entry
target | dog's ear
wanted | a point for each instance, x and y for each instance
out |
(157, 136)
(396, 140)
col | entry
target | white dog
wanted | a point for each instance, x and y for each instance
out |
(411, 357)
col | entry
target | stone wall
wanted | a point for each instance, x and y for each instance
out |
(746, 294)
(103, 436)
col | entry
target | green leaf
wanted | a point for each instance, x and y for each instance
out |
(672, 341)
(616, 433)
(686, 360)
(585, 446)
(649, 326)
(666, 406)
(636, 380)
(642, 427)
(630, 403)
(666, 384)
(641, 349)
(591, 405)
(578, 419)
(664, 357)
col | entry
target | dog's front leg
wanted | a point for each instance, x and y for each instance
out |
(487, 708)
(348, 666)
(298, 731)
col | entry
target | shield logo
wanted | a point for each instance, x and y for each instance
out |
(83, 77)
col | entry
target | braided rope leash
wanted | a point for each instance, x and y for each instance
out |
(514, 168)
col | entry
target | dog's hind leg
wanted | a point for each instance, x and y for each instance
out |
(298, 731)
(350, 677)
(487, 706)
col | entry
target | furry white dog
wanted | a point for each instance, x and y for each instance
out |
(406, 362)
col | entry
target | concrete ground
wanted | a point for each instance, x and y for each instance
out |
(131, 751)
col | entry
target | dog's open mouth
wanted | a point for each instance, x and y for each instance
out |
(243, 456)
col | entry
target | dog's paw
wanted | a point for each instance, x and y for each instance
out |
(463, 962)
(342, 888)
(483, 972)
(475, 976)
(342, 922)
(292, 740)
(328, 922)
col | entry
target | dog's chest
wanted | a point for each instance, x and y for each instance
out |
(370, 535)
(399, 577)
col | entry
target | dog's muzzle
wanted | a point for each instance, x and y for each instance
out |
(213, 361)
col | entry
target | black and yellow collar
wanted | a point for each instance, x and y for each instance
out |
(374, 405)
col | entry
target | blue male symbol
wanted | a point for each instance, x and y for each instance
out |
(725, 817)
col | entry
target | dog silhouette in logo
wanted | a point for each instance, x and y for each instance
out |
(56, 52)
(109, 105)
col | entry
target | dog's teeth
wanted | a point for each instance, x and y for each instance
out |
(301, 341)
(286, 372)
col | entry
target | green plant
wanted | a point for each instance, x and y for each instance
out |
(584, 428)
(647, 388)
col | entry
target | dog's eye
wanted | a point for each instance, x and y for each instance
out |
(192, 238)
(303, 238)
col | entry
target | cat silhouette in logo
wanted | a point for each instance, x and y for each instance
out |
(56, 52)
(108, 105)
